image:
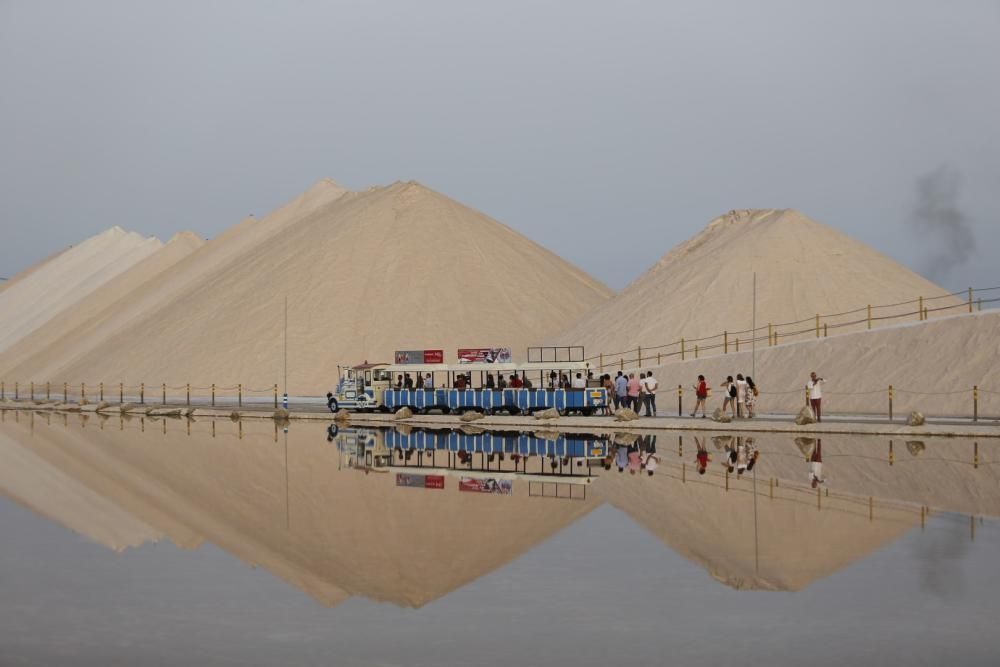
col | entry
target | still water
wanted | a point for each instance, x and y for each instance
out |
(164, 542)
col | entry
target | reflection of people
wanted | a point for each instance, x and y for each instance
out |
(634, 460)
(652, 461)
(816, 465)
(703, 457)
(815, 389)
(621, 457)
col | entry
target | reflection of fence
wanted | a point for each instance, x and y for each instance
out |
(817, 326)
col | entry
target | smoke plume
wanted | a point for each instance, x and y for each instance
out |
(941, 223)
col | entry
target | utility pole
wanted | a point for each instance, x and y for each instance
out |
(753, 336)
(284, 399)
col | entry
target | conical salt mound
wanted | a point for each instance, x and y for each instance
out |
(399, 267)
(185, 265)
(704, 286)
(59, 282)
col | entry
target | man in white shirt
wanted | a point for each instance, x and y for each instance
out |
(649, 387)
(579, 382)
(815, 389)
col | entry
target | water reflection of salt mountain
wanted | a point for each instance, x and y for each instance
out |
(323, 520)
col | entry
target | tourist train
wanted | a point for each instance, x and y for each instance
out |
(420, 381)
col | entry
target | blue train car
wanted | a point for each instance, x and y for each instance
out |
(490, 401)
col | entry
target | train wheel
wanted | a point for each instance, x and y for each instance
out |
(333, 405)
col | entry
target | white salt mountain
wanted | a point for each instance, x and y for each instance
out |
(397, 267)
(704, 286)
(184, 265)
(61, 281)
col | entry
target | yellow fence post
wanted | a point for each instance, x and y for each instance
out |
(275, 397)
(769, 334)
(869, 316)
(975, 403)
(695, 351)
(163, 395)
(975, 455)
(892, 456)
(17, 390)
(32, 390)
(621, 363)
(239, 394)
(188, 388)
(65, 391)
(101, 390)
(659, 361)
(817, 325)
(890, 402)
(680, 400)
(48, 391)
(601, 355)
(3, 392)
(638, 352)
(737, 343)
(825, 333)
(213, 394)
(142, 392)
(682, 349)
(725, 342)
(970, 299)
(121, 392)
(920, 309)
(683, 473)
(83, 392)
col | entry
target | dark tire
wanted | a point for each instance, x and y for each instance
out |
(333, 405)
(587, 412)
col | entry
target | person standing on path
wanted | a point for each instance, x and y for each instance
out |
(729, 401)
(634, 389)
(752, 393)
(701, 396)
(815, 389)
(650, 385)
(741, 395)
(621, 391)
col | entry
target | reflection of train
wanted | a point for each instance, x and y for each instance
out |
(487, 387)
(552, 454)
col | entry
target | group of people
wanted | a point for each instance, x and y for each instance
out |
(628, 391)
(738, 396)
(740, 454)
(636, 455)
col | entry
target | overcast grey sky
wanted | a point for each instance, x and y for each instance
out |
(608, 132)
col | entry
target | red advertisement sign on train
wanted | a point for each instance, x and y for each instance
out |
(419, 357)
(484, 355)
(503, 487)
(420, 481)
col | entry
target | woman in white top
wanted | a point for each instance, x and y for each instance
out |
(741, 395)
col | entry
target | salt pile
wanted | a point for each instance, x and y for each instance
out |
(397, 267)
(704, 286)
(60, 282)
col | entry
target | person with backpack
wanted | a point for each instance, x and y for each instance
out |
(701, 396)
(729, 400)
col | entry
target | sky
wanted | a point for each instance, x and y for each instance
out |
(607, 132)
